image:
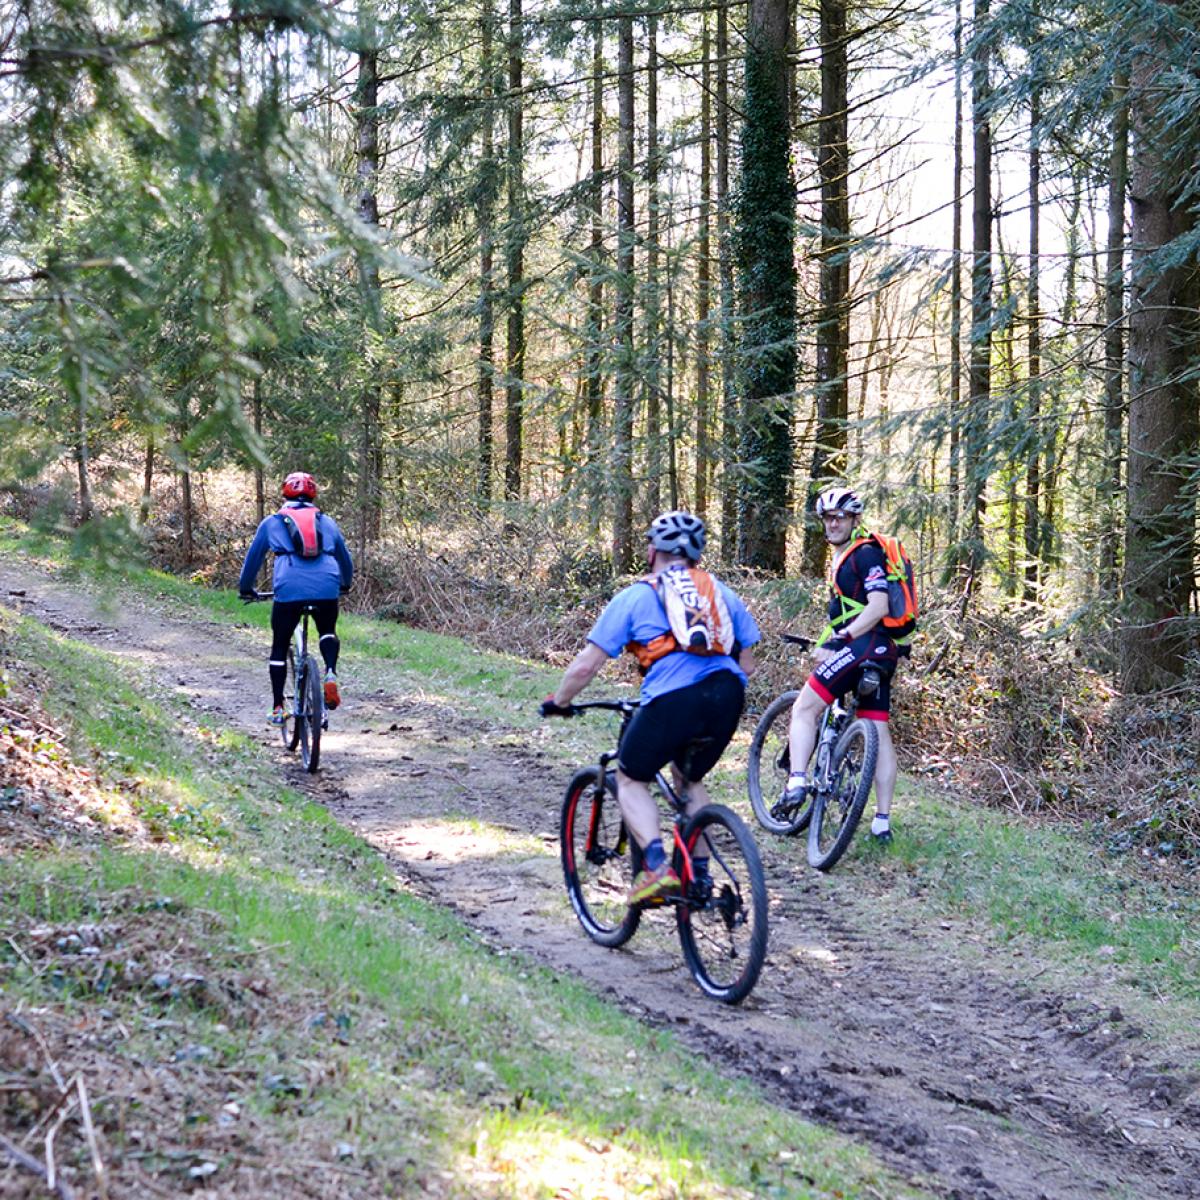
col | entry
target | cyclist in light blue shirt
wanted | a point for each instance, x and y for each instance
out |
(685, 696)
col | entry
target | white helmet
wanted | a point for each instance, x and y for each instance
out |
(677, 533)
(839, 499)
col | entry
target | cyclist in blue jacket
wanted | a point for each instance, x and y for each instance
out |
(312, 567)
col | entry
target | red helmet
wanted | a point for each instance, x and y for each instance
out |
(300, 484)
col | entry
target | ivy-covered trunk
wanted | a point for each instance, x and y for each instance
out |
(764, 236)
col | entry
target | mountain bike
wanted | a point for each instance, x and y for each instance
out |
(721, 916)
(304, 717)
(840, 774)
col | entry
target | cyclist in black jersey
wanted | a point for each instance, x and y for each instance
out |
(853, 639)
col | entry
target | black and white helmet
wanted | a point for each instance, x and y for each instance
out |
(677, 533)
(839, 499)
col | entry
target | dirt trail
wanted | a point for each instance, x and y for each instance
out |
(905, 1032)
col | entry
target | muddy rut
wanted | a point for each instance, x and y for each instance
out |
(924, 1038)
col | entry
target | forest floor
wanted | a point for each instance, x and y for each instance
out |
(969, 1063)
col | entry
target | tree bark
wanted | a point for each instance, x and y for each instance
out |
(1031, 524)
(956, 217)
(485, 438)
(980, 377)
(833, 326)
(703, 279)
(1114, 342)
(594, 368)
(1164, 417)
(765, 240)
(653, 323)
(622, 472)
(730, 408)
(515, 258)
(366, 116)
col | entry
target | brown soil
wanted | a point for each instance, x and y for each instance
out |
(946, 1051)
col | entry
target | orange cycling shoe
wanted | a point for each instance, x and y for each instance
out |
(333, 697)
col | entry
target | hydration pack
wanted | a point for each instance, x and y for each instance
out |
(901, 621)
(300, 521)
(696, 612)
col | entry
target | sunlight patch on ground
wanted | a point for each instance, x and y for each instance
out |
(547, 1162)
(821, 956)
(459, 842)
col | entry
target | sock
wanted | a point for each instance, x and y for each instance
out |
(654, 855)
(278, 680)
(881, 823)
(797, 779)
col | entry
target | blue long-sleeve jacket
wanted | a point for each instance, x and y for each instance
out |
(296, 578)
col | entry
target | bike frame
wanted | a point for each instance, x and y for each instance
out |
(677, 800)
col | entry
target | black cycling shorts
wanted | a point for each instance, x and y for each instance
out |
(285, 616)
(689, 727)
(837, 675)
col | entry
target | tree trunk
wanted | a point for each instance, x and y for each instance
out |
(148, 479)
(765, 238)
(833, 326)
(1164, 417)
(594, 390)
(653, 334)
(1114, 342)
(1033, 417)
(622, 474)
(730, 414)
(366, 115)
(703, 279)
(980, 381)
(956, 217)
(485, 438)
(515, 258)
(260, 483)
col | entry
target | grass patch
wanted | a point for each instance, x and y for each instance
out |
(1053, 886)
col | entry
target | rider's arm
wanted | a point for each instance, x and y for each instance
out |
(747, 661)
(874, 612)
(579, 674)
(254, 560)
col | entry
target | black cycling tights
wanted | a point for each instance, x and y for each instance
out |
(285, 616)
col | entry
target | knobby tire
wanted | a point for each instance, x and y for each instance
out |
(768, 769)
(313, 714)
(723, 928)
(598, 858)
(289, 731)
(836, 813)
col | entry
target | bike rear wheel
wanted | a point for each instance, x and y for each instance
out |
(836, 812)
(768, 769)
(311, 716)
(289, 731)
(598, 858)
(723, 920)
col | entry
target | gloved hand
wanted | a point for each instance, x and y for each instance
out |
(550, 709)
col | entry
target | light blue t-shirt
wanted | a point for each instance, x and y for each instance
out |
(636, 614)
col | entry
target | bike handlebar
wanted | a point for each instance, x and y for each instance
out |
(805, 643)
(257, 596)
(570, 710)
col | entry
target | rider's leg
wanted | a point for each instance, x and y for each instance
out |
(639, 809)
(285, 616)
(325, 615)
(802, 732)
(886, 770)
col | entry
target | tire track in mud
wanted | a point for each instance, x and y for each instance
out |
(918, 1037)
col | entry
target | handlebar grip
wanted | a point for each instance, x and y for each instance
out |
(795, 639)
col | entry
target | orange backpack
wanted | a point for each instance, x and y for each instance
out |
(901, 621)
(696, 612)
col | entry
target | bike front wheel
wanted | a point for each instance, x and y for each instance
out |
(722, 917)
(768, 769)
(837, 811)
(289, 731)
(311, 716)
(598, 858)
